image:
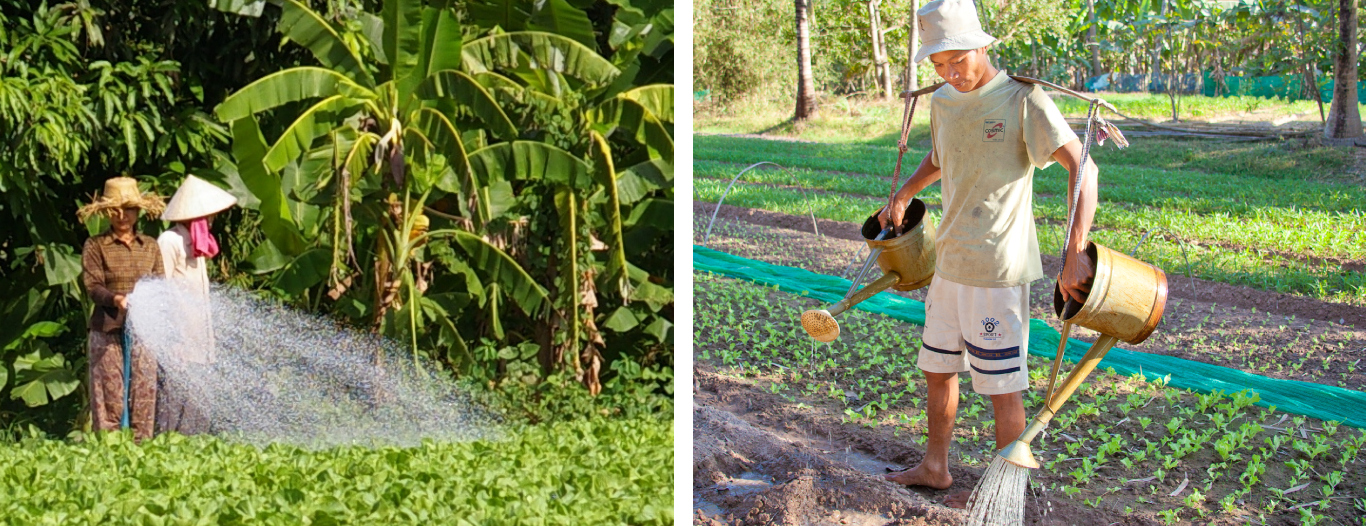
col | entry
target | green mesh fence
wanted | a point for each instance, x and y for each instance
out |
(1324, 402)
(1288, 87)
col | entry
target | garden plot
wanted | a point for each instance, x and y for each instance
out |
(1126, 450)
(1288, 337)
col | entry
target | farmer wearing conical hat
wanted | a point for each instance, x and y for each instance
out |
(988, 133)
(111, 265)
(184, 249)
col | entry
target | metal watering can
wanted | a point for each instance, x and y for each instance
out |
(1126, 303)
(907, 263)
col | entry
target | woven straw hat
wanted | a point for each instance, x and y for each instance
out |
(197, 198)
(122, 192)
(949, 25)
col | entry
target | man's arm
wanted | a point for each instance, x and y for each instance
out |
(1077, 271)
(925, 174)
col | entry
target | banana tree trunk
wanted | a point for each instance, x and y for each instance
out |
(806, 84)
(1344, 118)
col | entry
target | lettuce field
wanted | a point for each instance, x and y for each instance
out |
(592, 471)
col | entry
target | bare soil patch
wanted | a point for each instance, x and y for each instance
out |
(761, 459)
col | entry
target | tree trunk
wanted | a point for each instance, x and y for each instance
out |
(1344, 118)
(1156, 69)
(806, 85)
(912, 81)
(1091, 39)
(882, 69)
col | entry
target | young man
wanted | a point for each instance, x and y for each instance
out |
(988, 133)
(111, 265)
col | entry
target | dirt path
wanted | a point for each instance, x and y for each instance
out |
(1266, 333)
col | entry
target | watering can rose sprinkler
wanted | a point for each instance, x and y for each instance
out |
(906, 260)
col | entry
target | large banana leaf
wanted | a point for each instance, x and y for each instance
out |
(553, 16)
(635, 182)
(658, 99)
(538, 50)
(527, 160)
(311, 124)
(557, 16)
(291, 85)
(500, 268)
(606, 176)
(458, 178)
(403, 43)
(249, 148)
(639, 124)
(466, 91)
(307, 27)
(441, 41)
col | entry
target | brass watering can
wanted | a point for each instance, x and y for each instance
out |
(1126, 303)
(907, 263)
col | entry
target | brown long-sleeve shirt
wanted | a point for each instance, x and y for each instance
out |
(110, 267)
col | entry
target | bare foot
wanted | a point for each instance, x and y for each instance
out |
(921, 476)
(958, 500)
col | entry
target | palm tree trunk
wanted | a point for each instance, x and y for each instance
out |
(1344, 118)
(912, 82)
(806, 85)
(1091, 39)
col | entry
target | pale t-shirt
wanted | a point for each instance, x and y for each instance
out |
(987, 143)
(196, 328)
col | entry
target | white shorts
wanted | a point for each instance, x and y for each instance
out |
(990, 324)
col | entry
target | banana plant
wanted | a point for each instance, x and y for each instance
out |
(426, 111)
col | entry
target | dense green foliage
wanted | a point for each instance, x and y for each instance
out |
(749, 48)
(590, 471)
(88, 91)
(489, 181)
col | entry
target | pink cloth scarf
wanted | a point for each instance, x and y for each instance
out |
(201, 241)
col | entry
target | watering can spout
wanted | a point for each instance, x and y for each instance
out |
(1019, 452)
(821, 324)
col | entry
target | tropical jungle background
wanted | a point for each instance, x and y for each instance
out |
(752, 51)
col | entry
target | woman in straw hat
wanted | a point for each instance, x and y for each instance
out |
(111, 265)
(184, 249)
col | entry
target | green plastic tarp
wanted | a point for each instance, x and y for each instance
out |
(1324, 402)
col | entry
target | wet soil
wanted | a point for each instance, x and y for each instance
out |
(761, 459)
(1267, 333)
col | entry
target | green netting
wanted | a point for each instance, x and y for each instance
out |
(1320, 401)
(1273, 87)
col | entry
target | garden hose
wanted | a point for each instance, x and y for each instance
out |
(127, 342)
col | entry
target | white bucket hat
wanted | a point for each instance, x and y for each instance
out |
(949, 25)
(197, 198)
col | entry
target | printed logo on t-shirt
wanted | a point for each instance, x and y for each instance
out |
(994, 131)
(989, 326)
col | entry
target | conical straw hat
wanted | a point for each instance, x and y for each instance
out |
(197, 198)
(122, 192)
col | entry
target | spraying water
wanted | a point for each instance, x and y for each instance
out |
(263, 373)
(999, 498)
